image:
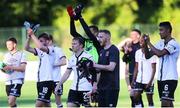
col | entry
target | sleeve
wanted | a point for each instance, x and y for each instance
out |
(70, 65)
(23, 58)
(73, 31)
(171, 47)
(37, 52)
(60, 53)
(90, 35)
(153, 59)
(113, 54)
(50, 50)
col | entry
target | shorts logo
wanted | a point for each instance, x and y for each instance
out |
(14, 90)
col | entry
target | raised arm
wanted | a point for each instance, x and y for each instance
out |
(90, 34)
(154, 51)
(148, 53)
(27, 46)
(36, 41)
(73, 31)
(158, 52)
(87, 30)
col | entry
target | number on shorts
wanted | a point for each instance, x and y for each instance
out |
(45, 90)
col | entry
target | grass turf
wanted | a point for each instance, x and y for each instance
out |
(29, 95)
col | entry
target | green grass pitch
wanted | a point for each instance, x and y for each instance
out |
(29, 95)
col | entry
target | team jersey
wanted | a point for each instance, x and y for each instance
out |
(58, 54)
(109, 79)
(15, 59)
(144, 67)
(89, 47)
(79, 84)
(45, 65)
(168, 63)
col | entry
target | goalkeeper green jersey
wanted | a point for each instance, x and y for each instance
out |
(89, 47)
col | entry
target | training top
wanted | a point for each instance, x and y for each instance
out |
(58, 54)
(79, 84)
(15, 59)
(144, 67)
(168, 63)
(89, 44)
(45, 65)
(109, 79)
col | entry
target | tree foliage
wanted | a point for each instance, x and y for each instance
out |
(14, 12)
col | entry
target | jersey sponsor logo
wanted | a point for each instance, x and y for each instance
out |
(42, 54)
(101, 54)
(107, 53)
(12, 60)
(88, 48)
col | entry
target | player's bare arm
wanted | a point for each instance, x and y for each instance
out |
(36, 41)
(62, 62)
(64, 78)
(109, 67)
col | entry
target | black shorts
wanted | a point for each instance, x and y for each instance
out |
(166, 89)
(45, 90)
(13, 90)
(60, 90)
(79, 98)
(108, 98)
(142, 87)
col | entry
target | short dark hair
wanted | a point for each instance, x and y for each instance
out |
(105, 31)
(166, 25)
(137, 30)
(81, 40)
(13, 39)
(95, 28)
(51, 37)
(44, 35)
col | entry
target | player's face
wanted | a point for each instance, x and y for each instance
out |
(102, 38)
(10, 45)
(76, 45)
(134, 35)
(163, 32)
(142, 42)
(43, 41)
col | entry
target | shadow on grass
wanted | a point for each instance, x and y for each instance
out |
(26, 102)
